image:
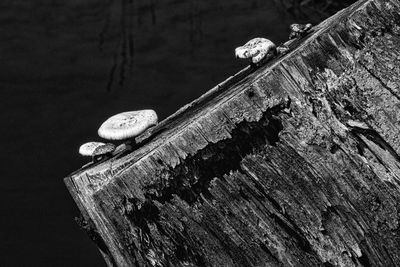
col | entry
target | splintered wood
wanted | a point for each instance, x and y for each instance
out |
(295, 163)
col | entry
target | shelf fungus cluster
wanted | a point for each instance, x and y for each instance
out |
(121, 127)
(257, 49)
(299, 30)
(260, 50)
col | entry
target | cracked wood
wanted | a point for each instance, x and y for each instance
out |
(295, 163)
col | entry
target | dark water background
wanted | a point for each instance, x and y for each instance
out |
(68, 65)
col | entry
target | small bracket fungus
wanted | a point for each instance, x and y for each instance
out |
(87, 149)
(127, 124)
(282, 49)
(299, 30)
(96, 149)
(257, 49)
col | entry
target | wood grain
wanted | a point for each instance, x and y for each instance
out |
(295, 163)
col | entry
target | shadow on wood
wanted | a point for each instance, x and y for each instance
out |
(295, 163)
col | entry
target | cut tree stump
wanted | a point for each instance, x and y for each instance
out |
(295, 163)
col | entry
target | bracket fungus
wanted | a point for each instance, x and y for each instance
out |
(283, 48)
(127, 124)
(96, 149)
(257, 49)
(103, 150)
(298, 30)
(88, 148)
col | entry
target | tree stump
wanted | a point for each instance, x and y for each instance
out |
(295, 163)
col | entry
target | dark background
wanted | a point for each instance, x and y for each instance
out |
(68, 65)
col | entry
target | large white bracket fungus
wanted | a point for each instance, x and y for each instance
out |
(127, 124)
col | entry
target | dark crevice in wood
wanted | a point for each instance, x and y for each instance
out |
(88, 227)
(141, 215)
(373, 136)
(334, 148)
(315, 102)
(216, 160)
(349, 107)
(354, 259)
(364, 260)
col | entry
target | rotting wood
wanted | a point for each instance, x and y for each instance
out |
(295, 163)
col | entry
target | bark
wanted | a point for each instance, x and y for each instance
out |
(295, 163)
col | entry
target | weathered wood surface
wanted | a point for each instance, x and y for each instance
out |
(292, 164)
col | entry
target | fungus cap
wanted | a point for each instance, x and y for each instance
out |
(127, 124)
(300, 27)
(88, 148)
(104, 149)
(254, 47)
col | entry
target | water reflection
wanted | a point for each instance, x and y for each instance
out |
(68, 65)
